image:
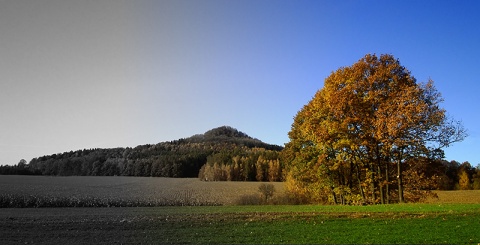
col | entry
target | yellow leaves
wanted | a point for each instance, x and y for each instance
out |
(375, 94)
(464, 180)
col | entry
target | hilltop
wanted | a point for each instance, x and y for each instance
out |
(229, 135)
(178, 158)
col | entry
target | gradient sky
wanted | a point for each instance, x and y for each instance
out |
(85, 74)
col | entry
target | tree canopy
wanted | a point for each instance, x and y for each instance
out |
(366, 134)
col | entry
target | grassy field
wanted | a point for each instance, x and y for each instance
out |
(453, 218)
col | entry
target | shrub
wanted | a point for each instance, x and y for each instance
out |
(267, 190)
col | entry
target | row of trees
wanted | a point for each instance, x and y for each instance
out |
(372, 134)
(20, 169)
(114, 162)
(256, 164)
(468, 177)
(262, 165)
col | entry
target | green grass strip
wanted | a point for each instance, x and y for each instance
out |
(313, 224)
(393, 208)
(392, 224)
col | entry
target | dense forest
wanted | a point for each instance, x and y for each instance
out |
(243, 164)
(180, 158)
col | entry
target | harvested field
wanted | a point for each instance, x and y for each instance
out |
(459, 196)
(138, 191)
(92, 191)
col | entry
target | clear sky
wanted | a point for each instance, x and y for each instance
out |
(85, 74)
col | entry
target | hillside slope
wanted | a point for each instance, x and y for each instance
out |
(179, 158)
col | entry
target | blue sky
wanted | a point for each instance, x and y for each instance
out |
(86, 74)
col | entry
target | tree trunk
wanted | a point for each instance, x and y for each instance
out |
(379, 174)
(380, 185)
(362, 193)
(387, 189)
(372, 176)
(400, 182)
(334, 197)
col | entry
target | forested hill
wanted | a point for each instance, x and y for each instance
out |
(228, 135)
(179, 158)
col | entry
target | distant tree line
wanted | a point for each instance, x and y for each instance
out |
(461, 176)
(427, 174)
(222, 154)
(179, 158)
(236, 164)
(20, 169)
(254, 164)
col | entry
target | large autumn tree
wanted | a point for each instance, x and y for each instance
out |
(362, 135)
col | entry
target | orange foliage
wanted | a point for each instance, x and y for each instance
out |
(362, 127)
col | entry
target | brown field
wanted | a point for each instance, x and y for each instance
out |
(459, 196)
(190, 191)
(165, 190)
